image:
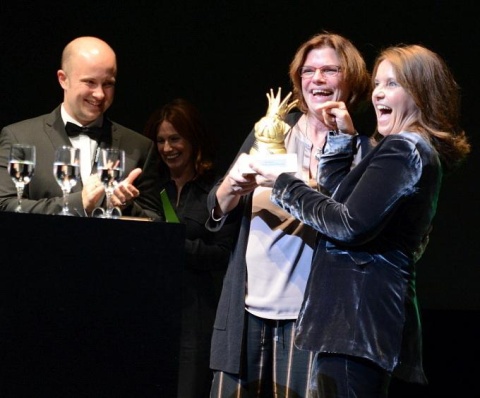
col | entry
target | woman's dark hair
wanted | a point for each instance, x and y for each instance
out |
(188, 122)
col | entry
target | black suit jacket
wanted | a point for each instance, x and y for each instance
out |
(43, 194)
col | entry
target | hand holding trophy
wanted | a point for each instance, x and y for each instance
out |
(270, 130)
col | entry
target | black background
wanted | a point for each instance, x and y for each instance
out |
(225, 56)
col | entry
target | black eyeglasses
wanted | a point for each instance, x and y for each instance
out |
(308, 72)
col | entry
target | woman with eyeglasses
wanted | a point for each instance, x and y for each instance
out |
(360, 314)
(253, 352)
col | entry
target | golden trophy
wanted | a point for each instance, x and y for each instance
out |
(269, 145)
(270, 130)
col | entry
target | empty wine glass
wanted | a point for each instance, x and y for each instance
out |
(66, 169)
(21, 167)
(110, 169)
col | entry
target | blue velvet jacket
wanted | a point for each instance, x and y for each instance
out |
(360, 298)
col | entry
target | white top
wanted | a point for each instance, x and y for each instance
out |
(280, 248)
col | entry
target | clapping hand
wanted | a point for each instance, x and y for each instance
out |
(123, 195)
(92, 192)
(125, 192)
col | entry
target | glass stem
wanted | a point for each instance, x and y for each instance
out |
(65, 201)
(19, 196)
(109, 192)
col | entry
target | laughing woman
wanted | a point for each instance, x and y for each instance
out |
(187, 169)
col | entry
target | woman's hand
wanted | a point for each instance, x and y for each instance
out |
(336, 116)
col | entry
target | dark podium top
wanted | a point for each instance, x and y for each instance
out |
(89, 307)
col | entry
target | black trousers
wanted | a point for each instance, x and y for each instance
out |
(272, 367)
(343, 376)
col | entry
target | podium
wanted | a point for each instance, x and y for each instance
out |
(89, 307)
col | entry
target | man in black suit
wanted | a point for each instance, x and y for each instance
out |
(87, 76)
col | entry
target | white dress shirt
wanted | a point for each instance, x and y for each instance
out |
(88, 147)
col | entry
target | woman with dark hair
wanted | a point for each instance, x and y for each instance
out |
(187, 169)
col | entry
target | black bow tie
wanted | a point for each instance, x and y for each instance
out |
(95, 133)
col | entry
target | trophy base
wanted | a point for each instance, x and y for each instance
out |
(280, 163)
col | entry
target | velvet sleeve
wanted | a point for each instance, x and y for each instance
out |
(389, 177)
(340, 154)
(335, 162)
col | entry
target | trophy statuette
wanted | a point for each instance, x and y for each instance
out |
(269, 145)
(270, 130)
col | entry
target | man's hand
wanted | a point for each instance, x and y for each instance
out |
(92, 193)
(126, 192)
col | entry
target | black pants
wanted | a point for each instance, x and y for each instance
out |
(343, 376)
(272, 367)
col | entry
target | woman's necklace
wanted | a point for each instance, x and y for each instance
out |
(316, 150)
(315, 154)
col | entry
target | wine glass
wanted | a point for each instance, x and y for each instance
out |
(21, 167)
(110, 169)
(66, 169)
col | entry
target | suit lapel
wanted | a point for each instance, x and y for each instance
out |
(55, 129)
(115, 137)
